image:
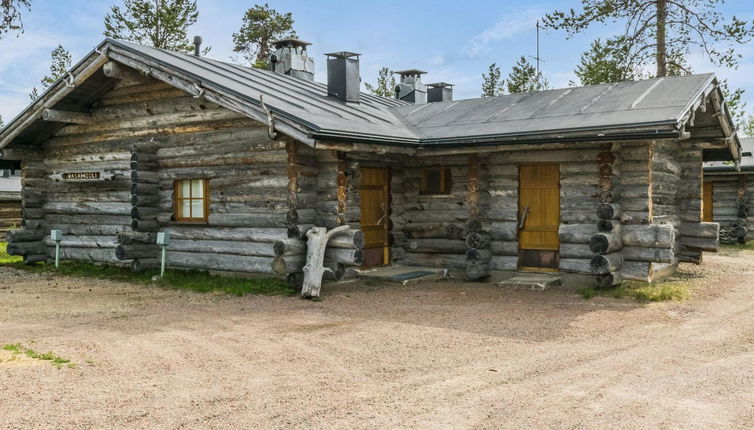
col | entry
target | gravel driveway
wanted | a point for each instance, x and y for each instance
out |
(436, 355)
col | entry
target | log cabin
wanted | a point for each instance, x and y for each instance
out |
(10, 197)
(727, 195)
(238, 163)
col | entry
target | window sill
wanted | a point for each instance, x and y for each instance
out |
(188, 222)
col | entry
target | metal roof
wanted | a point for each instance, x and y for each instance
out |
(651, 108)
(747, 160)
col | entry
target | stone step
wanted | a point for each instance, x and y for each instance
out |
(531, 281)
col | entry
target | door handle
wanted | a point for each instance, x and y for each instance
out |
(384, 213)
(523, 218)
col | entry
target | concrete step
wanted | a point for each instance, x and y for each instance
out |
(531, 281)
(402, 274)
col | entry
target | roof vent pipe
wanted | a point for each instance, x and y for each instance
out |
(198, 45)
(290, 58)
(343, 79)
(439, 92)
(411, 89)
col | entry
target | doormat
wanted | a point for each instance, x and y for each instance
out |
(410, 275)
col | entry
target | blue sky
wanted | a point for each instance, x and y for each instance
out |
(454, 41)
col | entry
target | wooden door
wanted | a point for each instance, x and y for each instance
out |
(375, 213)
(707, 202)
(539, 217)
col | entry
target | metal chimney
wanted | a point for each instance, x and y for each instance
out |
(198, 45)
(439, 92)
(411, 88)
(343, 79)
(290, 58)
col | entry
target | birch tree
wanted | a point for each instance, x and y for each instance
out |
(10, 15)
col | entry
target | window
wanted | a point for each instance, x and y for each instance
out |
(191, 200)
(435, 180)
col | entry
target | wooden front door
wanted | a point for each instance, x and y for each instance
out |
(539, 217)
(375, 212)
(707, 202)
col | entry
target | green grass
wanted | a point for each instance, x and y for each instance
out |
(200, 282)
(749, 246)
(17, 348)
(674, 289)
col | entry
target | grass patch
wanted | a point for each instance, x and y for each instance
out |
(674, 289)
(748, 246)
(587, 293)
(8, 259)
(200, 282)
(17, 348)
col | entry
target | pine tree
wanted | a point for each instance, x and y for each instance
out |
(493, 83)
(60, 62)
(524, 78)
(259, 28)
(10, 15)
(603, 64)
(159, 23)
(659, 31)
(385, 86)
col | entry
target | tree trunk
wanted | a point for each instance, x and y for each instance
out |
(662, 55)
(315, 258)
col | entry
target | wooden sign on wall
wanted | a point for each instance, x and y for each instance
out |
(85, 176)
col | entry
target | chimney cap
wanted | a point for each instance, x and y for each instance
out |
(410, 72)
(342, 54)
(289, 41)
(440, 85)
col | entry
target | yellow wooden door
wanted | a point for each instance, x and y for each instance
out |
(707, 202)
(539, 216)
(375, 215)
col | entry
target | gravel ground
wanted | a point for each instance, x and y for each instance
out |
(436, 355)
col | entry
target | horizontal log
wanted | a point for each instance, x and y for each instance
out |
(143, 264)
(603, 243)
(433, 230)
(609, 211)
(478, 255)
(145, 177)
(188, 232)
(640, 253)
(609, 226)
(234, 263)
(349, 257)
(503, 231)
(285, 247)
(700, 229)
(25, 248)
(114, 70)
(609, 280)
(144, 225)
(451, 246)
(54, 115)
(575, 250)
(477, 271)
(503, 262)
(576, 233)
(576, 265)
(128, 252)
(347, 239)
(262, 249)
(23, 235)
(605, 264)
(690, 256)
(478, 240)
(247, 220)
(701, 243)
(656, 236)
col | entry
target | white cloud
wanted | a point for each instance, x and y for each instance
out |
(509, 25)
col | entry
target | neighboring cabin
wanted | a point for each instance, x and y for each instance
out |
(238, 163)
(728, 191)
(10, 197)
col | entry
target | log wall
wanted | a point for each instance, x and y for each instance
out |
(732, 205)
(145, 137)
(10, 210)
